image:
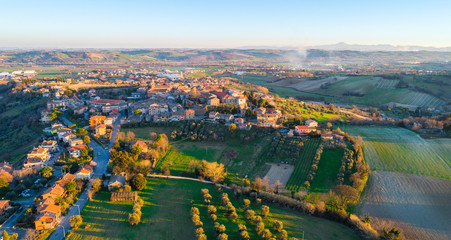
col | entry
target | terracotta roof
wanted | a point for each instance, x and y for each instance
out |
(85, 169)
(142, 144)
(3, 203)
(76, 148)
(52, 208)
(56, 190)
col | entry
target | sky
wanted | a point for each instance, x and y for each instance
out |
(221, 24)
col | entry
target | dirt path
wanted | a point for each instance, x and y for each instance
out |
(356, 115)
(419, 206)
(186, 178)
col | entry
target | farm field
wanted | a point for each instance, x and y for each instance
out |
(302, 165)
(417, 205)
(442, 146)
(328, 168)
(401, 150)
(305, 84)
(239, 159)
(166, 215)
(377, 91)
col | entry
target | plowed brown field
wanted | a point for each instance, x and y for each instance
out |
(419, 206)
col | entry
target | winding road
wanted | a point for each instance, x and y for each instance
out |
(101, 158)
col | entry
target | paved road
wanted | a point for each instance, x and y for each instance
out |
(101, 158)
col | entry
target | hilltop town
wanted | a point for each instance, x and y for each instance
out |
(111, 134)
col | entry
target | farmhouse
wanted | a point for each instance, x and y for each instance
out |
(327, 136)
(141, 144)
(302, 129)
(311, 123)
(116, 181)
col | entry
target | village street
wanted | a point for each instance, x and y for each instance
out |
(101, 158)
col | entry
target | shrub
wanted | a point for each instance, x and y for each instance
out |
(265, 234)
(138, 182)
(244, 235)
(195, 218)
(234, 216)
(213, 217)
(223, 236)
(241, 227)
(264, 211)
(195, 211)
(249, 214)
(283, 235)
(259, 227)
(75, 221)
(202, 237)
(256, 219)
(133, 219)
(211, 210)
(277, 225)
(246, 203)
(220, 228)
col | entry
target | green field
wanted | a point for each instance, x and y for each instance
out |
(166, 216)
(144, 132)
(328, 168)
(238, 158)
(376, 92)
(303, 165)
(400, 150)
(442, 147)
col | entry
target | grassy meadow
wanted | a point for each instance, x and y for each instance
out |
(401, 150)
(166, 215)
(328, 168)
(240, 159)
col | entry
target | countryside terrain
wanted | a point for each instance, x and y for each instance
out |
(409, 186)
(166, 216)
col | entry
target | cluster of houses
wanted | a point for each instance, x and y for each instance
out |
(48, 213)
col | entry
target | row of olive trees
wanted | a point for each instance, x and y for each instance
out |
(199, 232)
(314, 167)
(135, 217)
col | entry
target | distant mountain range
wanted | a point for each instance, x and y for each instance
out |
(378, 47)
(356, 47)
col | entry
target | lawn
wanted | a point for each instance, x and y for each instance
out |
(401, 150)
(144, 132)
(238, 158)
(328, 168)
(166, 216)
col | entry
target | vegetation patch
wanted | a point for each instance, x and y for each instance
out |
(166, 215)
(401, 150)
